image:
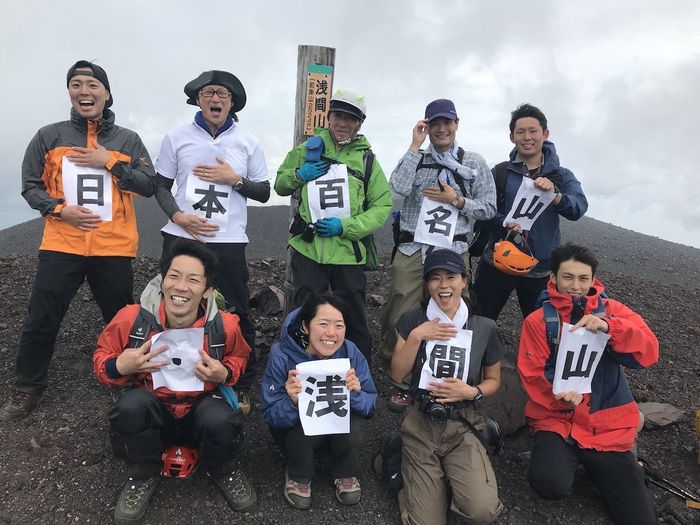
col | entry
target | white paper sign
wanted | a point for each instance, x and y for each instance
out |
(208, 200)
(436, 224)
(529, 204)
(577, 359)
(447, 359)
(183, 352)
(324, 401)
(88, 187)
(329, 195)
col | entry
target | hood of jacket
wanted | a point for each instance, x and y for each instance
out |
(152, 297)
(570, 308)
(551, 159)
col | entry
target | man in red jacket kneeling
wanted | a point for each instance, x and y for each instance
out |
(186, 407)
(595, 429)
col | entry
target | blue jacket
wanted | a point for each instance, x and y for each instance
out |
(277, 408)
(545, 234)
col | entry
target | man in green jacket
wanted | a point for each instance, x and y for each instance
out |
(337, 210)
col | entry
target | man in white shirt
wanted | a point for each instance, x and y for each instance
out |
(217, 166)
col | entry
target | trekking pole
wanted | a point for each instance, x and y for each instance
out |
(690, 499)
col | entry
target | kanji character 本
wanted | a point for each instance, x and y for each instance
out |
(579, 371)
(210, 203)
(438, 223)
(330, 196)
(330, 391)
(322, 87)
(447, 361)
(91, 189)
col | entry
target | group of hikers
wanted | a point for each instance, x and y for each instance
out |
(440, 344)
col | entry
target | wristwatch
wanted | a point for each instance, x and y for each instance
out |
(455, 202)
(238, 185)
(479, 395)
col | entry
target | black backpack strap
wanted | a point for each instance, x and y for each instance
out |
(144, 324)
(368, 167)
(435, 166)
(216, 337)
(478, 434)
(501, 180)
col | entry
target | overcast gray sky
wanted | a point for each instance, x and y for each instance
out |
(618, 81)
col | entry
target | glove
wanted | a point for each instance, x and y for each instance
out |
(329, 227)
(312, 170)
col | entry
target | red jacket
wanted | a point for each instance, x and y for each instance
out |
(608, 417)
(115, 338)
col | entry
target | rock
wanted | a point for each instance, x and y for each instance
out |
(657, 415)
(508, 404)
(377, 299)
(269, 300)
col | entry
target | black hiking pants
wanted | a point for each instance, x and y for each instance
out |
(348, 281)
(141, 427)
(58, 277)
(617, 476)
(300, 450)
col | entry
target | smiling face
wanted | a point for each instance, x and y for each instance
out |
(442, 132)
(446, 289)
(87, 95)
(573, 278)
(326, 331)
(343, 126)
(184, 287)
(528, 137)
(214, 109)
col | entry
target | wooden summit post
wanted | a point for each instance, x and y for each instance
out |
(314, 89)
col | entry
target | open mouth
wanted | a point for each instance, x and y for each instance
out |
(445, 297)
(215, 110)
(86, 104)
(178, 299)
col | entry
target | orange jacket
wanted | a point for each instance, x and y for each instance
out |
(42, 184)
(608, 417)
(115, 339)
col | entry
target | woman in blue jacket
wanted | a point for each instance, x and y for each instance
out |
(316, 331)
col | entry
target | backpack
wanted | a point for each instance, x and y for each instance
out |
(146, 322)
(480, 228)
(387, 462)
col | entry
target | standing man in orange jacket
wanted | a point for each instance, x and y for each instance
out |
(81, 175)
(596, 429)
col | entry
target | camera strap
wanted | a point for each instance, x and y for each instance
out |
(474, 431)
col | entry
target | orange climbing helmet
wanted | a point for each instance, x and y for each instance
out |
(509, 257)
(179, 462)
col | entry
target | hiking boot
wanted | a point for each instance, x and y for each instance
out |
(237, 491)
(298, 495)
(19, 406)
(399, 401)
(348, 490)
(133, 501)
(243, 402)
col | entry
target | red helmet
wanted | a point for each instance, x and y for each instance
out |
(510, 259)
(179, 462)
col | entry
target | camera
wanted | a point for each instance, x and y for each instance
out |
(438, 412)
(309, 232)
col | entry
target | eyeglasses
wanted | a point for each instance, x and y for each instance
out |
(221, 93)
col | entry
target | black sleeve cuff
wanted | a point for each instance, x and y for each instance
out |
(111, 369)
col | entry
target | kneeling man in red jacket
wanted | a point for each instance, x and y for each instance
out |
(597, 429)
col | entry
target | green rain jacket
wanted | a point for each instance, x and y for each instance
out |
(339, 249)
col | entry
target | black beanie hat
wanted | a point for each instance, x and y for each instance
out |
(219, 78)
(81, 68)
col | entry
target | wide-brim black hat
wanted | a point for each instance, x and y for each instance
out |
(219, 78)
